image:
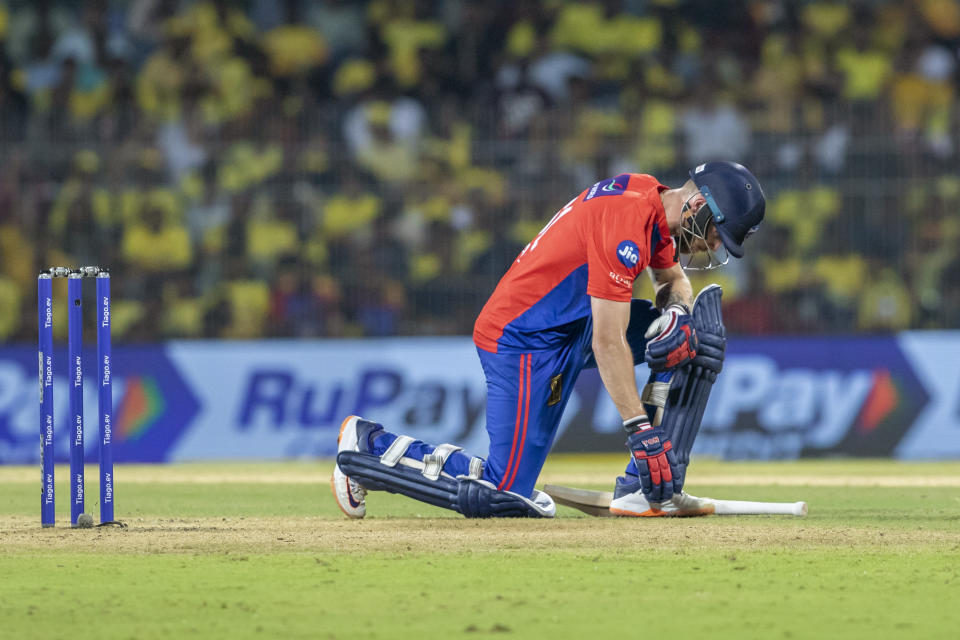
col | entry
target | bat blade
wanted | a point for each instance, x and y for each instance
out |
(594, 503)
(597, 503)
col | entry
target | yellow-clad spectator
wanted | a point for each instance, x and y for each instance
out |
(269, 235)
(866, 70)
(203, 17)
(351, 211)
(183, 309)
(347, 212)
(825, 19)
(81, 92)
(522, 39)
(385, 157)
(577, 25)
(777, 84)
(160, 81)
(455, 150)
(353, 76)
(933, 252)
(488, 180)
(90, 93)
(246, 164)
(594, 129)
(588, 28)
(843, 277)
(893, 24)
(16, 254)
(470, 245)
(660, 80)
(782, 271)
(211, 29)
(201, 40)
(633, 36)
(885, 303)
(234, 90)
(656, 136)
(805, 212)
(294, 49)
(10, 301)
(249, 304)
(125, 205)
(183, 318)
(77, 186)
(943, 16)
(155, 245)
(406, 37)
(923, 93)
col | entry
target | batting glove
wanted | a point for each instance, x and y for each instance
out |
(655, 459)
(672, 340)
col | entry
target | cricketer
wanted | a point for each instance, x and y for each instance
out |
(565, 304)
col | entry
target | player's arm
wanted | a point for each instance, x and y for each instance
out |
(672, 287)
(613, 355)
(650, 446)
(672, 340)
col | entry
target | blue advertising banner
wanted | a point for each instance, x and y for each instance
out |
(153, 405)
(776, 399)
(787, 398)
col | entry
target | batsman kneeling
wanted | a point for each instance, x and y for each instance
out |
(564, 305)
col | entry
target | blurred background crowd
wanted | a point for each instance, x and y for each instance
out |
(335, 168)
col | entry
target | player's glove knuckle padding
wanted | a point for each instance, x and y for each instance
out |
(655, 460)
(673, 339)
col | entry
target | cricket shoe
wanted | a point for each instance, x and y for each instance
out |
(349, 494)
(628, 500)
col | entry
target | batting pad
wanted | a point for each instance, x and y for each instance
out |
(471, 497)
(691, 385)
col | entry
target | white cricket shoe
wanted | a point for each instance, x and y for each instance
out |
(634, 503)
(350, 496)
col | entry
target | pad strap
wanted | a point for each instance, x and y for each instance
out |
(433, 462)
(396, 450)
(476, 468)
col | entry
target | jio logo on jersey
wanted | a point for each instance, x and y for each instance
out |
(628, 253)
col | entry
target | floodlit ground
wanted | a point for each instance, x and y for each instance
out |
(261, 550)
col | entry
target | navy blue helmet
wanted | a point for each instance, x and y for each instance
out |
(735, 198)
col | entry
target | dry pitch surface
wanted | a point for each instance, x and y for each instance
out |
(254, 550)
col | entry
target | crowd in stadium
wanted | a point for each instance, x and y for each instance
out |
(293, 168)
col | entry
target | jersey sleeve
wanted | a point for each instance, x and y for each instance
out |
(616, 254)
(662, 247)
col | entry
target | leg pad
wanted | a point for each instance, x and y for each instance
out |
(472, 497)
(691, 385)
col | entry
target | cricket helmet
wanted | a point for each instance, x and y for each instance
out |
(735, 198)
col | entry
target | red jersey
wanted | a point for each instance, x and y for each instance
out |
(595, 246)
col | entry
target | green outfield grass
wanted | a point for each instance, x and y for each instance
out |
(261, 550)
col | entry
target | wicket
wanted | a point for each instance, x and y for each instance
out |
(75, 380)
